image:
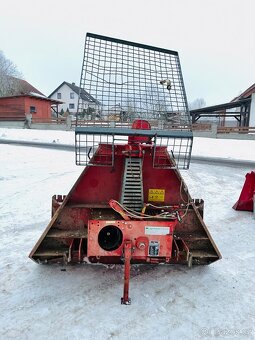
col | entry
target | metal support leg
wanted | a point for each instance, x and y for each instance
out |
(125, 300)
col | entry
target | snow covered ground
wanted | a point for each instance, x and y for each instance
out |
(205, 147)
(83, 302)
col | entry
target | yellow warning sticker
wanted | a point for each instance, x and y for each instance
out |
(156, 195)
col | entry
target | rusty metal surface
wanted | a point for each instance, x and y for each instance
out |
(65, 238)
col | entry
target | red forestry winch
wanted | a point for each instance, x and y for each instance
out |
(130, 205)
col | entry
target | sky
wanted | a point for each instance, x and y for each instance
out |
(214, 39)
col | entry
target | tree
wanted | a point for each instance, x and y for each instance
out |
(197, 104)
(9, 84)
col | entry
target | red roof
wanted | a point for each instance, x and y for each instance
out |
(26, 88)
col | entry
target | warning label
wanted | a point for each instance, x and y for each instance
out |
(150, 230)
(154, 248)
(156, 195)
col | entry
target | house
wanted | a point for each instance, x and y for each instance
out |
(68, 93)
(23, 99)
(18, 107)
(114, 113)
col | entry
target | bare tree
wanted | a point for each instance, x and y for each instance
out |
(9, 84)
(197, 104)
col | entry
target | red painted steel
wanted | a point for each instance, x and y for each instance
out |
(139, 124)
(91, 224)
(139, 233)
(125, 300)
(100, 184)
(245, 201)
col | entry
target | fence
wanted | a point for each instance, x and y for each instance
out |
(157, 125)
(202, 127)
(236, 129)
(48, 120)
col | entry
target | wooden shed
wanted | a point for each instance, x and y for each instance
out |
(15, 108)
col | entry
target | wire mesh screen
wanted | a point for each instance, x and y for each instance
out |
(94, 149)
(172, 153)
(96, 146)
(123, 81)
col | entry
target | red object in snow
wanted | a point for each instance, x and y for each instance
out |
(245, 201)
(137, 210)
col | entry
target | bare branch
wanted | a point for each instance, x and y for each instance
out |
(9, 84)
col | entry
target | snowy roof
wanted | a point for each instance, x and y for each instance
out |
(34, 95)
(84, 94)
(37, 94)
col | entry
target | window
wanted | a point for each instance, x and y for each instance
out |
(71, 95)
(32, 109)
(71, 106)
(59, 95)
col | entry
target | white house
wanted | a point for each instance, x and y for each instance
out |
(69, 94)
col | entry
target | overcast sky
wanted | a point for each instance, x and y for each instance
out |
(214, 38)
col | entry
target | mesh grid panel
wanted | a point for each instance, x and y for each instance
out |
(123, 81)
(128, 80)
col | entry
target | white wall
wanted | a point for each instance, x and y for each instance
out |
(65, 97)
(252, 112)
(65, 91)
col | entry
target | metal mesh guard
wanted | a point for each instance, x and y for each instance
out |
(122, 81)
(95, 146)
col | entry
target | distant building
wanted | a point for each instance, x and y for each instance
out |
(115, 113)
(16, 108)
(246, 94)
(68, 93)
(239, 112)
(249, 94)
(24, 99)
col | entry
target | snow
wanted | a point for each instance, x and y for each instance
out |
(35, 94)
(224, 148)
(83, 302)
(205, 147)
(45, 136)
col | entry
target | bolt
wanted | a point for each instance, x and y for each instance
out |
(141, 245)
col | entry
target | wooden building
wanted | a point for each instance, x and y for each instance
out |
(17, 107)
(239, 112)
